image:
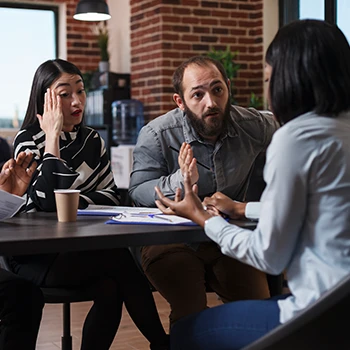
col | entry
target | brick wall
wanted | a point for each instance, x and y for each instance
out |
(82, 48)
(165, 32)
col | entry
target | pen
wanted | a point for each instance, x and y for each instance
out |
(152, 216)
(158, 217)
(199, 163)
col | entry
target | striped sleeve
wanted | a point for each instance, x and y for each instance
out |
(101, 188)
(83, 165)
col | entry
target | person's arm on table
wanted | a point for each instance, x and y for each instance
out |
(270, 246)
(231, 208)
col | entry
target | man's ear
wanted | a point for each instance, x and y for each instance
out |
(178, 100)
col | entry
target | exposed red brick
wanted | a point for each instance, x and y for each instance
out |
(238, 32)
(180, 11)
(190, 20)
(201, 30)
(190, 27)
(211, 4)
(210, 39)
(227, 23)
(220, 30)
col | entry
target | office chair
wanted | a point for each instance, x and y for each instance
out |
(321, 326)
(65, 296)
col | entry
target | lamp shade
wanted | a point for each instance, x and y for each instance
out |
(92, 10)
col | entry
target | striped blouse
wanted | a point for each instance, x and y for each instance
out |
(83, 165)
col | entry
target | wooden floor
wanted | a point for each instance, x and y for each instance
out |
(127, 338)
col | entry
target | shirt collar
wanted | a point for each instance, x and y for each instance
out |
(70, 135)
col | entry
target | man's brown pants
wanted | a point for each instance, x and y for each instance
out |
(181, 275)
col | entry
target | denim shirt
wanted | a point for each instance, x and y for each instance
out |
(248, 132)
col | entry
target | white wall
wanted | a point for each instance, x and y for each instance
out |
(119, 36)
(271, 23)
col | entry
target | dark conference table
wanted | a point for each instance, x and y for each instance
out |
(34, 233)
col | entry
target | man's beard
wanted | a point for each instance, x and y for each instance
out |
(209, 127)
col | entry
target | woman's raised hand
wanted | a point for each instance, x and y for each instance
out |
(51, 122)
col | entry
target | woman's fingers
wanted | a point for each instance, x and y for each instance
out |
(20, 158)
(47, 101)
(24, 159)
(164, 200)
(58, 99)
(32, 168)
(8, 165)
(161, 206)
(53, 99)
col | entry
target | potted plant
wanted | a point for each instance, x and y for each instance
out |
(101, 32)
(227, 59)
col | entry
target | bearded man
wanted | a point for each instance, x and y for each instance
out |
(224, 140)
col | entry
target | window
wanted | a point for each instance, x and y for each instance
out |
(31, 38)
(343, 11)
(311, 9)
(333, 11)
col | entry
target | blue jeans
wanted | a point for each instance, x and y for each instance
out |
(229, 326)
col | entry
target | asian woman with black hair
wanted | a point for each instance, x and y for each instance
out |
(73, 156)
(304, 226)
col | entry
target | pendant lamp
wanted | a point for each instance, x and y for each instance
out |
(92, 10)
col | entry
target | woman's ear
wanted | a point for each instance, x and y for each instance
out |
(178, 100)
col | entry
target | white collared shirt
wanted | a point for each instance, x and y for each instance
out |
(304, 225)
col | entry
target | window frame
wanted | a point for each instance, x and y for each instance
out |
(56, 11)
(289, 11)
(34, 6)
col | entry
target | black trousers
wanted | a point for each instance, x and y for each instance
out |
(21, 304)
(118, 280)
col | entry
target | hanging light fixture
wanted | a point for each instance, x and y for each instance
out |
(92, 10)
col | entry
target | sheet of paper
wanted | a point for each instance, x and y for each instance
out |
(9, 204)
(128, 217)
(105, 210)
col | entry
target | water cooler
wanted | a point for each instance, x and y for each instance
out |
(127, 120)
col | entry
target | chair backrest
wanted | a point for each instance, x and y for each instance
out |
(4, 263)
(60, 295)
(322, 326)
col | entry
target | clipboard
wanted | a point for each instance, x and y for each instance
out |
(150, 219)
(109, 210)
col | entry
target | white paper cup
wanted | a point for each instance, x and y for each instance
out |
(67, 202)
